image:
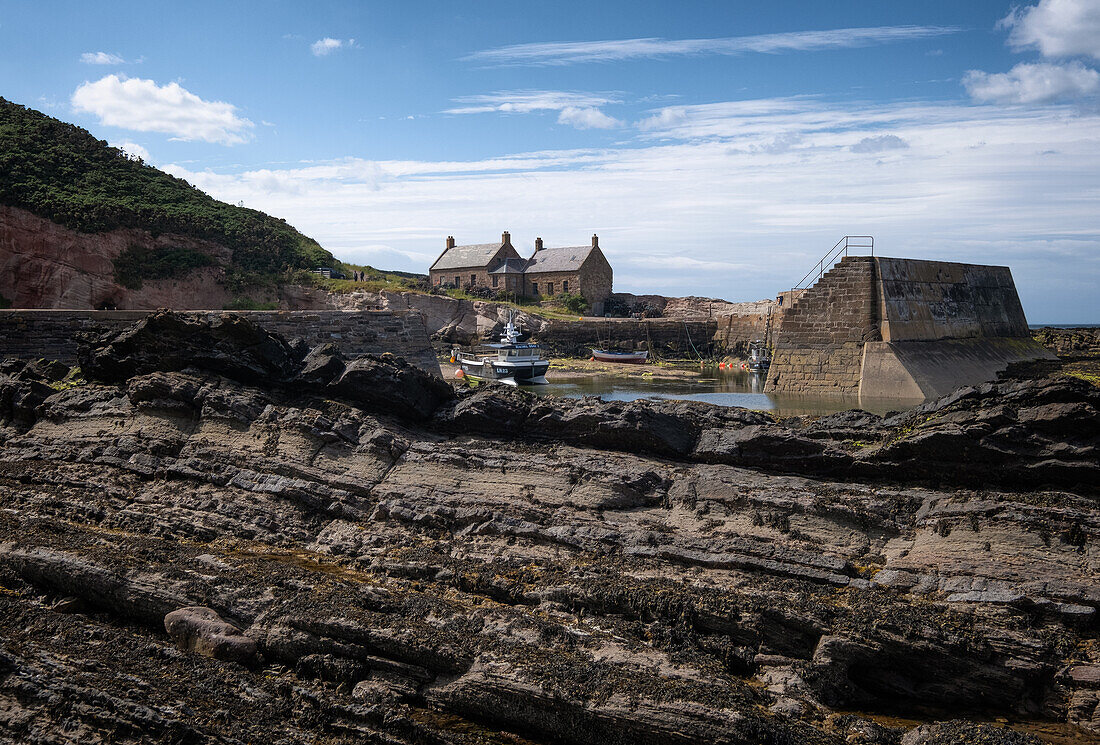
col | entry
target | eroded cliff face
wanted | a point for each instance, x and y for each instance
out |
(218, 546)
(45, 265)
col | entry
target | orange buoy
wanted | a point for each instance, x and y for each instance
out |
(591, 359)
(453, 360)
(721, 365)
(460, 374)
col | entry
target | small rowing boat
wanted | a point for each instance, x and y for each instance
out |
(632, 358)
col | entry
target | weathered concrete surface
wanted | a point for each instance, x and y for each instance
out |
(52, 334)
(883, 328)
(919, 370)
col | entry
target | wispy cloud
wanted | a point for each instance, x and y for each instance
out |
(144, 106)
(976, 183)
(101, 58)
(326, 46)
(1039, 83)
(612, 50)
(580, 110)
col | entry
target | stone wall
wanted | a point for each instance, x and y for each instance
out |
(536, 283)
(664, 337)
(737, 330)
(820, 346)
(900, 328)
(928, 300)
(51, 333)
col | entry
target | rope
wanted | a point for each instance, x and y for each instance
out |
(687, 333)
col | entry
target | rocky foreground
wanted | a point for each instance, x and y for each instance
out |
(212, 536)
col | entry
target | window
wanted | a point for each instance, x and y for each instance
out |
(458, 281)
(495, 280)
(565, 285)
(549, 288)
(473, 279)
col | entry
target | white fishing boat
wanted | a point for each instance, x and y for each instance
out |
(512, 362)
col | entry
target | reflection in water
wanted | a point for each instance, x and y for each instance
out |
(737, 388)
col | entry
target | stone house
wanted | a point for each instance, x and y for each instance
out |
(581, 270)
(473, 265)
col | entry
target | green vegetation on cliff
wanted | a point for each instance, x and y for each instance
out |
(61, 172)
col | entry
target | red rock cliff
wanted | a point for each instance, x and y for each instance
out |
(45, 265)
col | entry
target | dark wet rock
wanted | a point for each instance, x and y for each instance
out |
(966, 733)
(231, 346)
(388, 384)
(416, 566)
(202, 631)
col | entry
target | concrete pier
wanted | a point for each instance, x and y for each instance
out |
(886, 328)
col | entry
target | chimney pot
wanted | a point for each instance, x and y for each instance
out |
(595, 241)
(538, 244)
(450, 241)
(506, 238)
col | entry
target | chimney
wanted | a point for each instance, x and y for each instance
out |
(538, 244)
(595, 241)
(450, 241)
(506, 238)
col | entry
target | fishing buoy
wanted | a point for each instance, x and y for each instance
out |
(460, 374)
(453, 360)
(744, 366)
(591, 359)
(721, 365)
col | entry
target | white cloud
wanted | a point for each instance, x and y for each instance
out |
(573, 52)
(587, 118)
(1037, 83)
(101, 58)
(974, 186)
(879, 143)
(133, 150)
(580, 110)
(328, 45)
(1057, 28)
(144, 106)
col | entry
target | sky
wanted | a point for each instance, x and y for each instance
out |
(717, 148)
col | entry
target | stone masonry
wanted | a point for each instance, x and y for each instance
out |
(51, 333)
(887, 328)
(820, 347)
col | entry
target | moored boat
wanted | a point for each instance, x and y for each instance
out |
(513, 362)
(759, 359)
(633, 358)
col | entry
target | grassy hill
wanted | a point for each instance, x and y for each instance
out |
(61, 172)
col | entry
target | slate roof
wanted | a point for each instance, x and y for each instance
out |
(510, 266)
(562, 259)
(465, 257)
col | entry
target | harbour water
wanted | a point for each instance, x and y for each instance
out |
(737, 388)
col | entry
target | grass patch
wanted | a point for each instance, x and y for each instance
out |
(138, 263)
(247, 303)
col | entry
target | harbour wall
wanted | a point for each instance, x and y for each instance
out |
(663, 337)
(887, 328)
(30, 333)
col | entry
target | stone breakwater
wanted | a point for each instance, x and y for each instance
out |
(222, 540)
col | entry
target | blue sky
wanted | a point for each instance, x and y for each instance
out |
(718, 148)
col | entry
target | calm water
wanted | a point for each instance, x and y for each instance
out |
(736, 388)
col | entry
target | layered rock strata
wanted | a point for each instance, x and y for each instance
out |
(256, 545)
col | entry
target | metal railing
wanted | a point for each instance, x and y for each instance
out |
(842, 247)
